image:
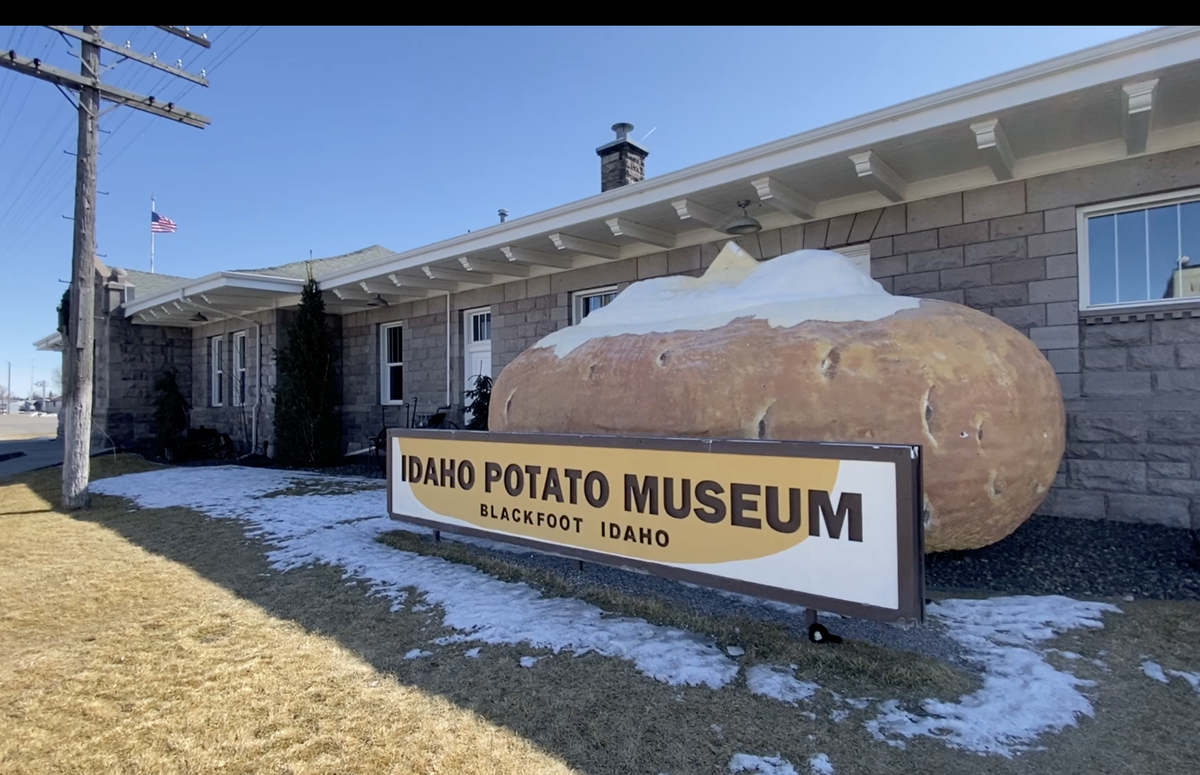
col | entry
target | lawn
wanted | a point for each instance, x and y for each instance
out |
(160, 639)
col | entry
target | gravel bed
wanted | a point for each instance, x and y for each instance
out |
(1076, 557)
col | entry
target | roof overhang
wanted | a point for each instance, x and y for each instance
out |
(1132, 96)
(51, 343)
(223, 294)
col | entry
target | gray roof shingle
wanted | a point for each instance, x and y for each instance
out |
(322, 266)
(146, 284)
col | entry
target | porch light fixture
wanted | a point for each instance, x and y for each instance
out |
(745, 224)
(378, 301)
(198, 318)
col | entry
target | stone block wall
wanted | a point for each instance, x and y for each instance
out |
(128, 361)
(1133, 451)
(424, 343)
(1130, 382)
(133, 358)
(237, 421)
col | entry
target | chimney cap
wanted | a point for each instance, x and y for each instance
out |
(622, 130)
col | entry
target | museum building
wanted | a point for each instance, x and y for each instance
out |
(1062, 198)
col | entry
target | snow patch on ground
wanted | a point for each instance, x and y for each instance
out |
(1193, 679)
(1155, 671)
(528, 661)
(820, 765)
(1022, 697)
(760, 765)
(472, 653)
(340, 530)
(778, 683)
(417, 654)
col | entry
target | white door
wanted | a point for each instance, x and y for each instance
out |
(477, 348)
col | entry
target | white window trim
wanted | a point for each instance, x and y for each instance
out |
(577, 300)
(238, 384)
(385, 385)
(859, 251)
(216, 370)
(1110, 208)
(469, 324)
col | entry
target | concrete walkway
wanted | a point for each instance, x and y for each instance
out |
(30, 439)
(38, 453)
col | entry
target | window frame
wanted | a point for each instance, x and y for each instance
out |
(857, 250)
(237, 389)
(385, 366)
(216, 370)
(577, 298)
(469, 317)
(1083, 262)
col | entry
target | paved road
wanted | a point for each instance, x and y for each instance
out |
(27, 426)
(35, 437)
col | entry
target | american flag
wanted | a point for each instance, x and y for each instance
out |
(161, 224)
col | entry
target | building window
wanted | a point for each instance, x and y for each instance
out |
(584, 303)
(391, 371)
(1141, 251)
(216, 370)
(481, 327)
(859, 255)
(239, 369)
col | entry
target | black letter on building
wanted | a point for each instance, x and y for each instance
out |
(513, 479)
(819, 506)
(491, 474)
(638, 496)
(793, 522)
(739, 505)
(685, 506)
(601, 497)
(466, 473)
(552, 486)
(705, 491)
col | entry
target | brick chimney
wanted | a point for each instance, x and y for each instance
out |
(622, 161)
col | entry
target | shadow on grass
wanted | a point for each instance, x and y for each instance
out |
(599, 715)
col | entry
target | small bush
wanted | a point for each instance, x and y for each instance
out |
(170, 411)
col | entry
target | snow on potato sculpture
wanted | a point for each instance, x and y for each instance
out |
(806, 347)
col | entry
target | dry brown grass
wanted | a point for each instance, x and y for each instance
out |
(301, 487)
(853, 666)
(139, 640)
(113, 659)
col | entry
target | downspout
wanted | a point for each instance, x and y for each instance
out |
(258, 365)
(448, 349)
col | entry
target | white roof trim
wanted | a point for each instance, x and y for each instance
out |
(1114, 61)
(51, 343)
(215, 281)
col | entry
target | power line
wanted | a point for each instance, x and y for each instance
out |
(78, 346)
(125, 118)
(222, 60)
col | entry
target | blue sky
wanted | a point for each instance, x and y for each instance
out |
(331, 139)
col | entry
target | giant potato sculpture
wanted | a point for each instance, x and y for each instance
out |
(806, 347)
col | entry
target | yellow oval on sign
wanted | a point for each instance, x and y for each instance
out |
(669, 506)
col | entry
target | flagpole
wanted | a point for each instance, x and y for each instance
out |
(152, 235)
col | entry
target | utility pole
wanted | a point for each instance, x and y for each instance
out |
(77, 382)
